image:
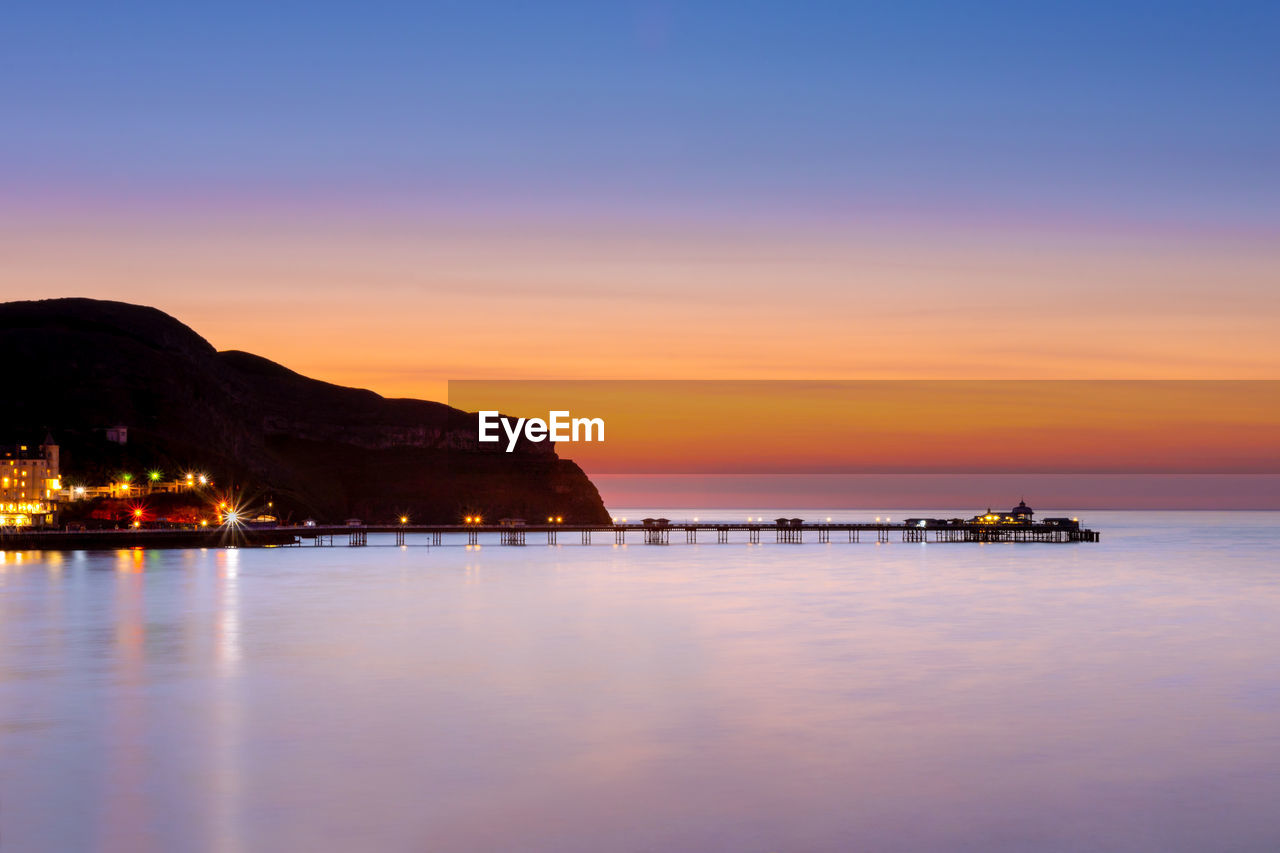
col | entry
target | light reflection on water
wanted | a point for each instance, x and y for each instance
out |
(1119, 695)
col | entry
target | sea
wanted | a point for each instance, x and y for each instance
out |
(1119, 695)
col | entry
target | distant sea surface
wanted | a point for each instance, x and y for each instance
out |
(1123, 695)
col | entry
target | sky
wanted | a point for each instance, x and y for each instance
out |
(396, 195)
(877, 444)
(919, 427)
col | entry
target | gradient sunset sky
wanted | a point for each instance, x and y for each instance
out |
(395, 195)
(392, 195)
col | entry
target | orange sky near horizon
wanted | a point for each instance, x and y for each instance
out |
(936, 427)
(403, 302)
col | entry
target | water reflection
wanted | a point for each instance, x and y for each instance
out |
(228, 610)
(690, 697)
(122, 780)
(225, 746)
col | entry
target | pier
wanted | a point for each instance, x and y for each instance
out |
(783, 531)
(794, 532)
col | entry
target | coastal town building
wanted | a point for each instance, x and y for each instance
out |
(170, 486)
(125, 486)
(119, 488)
(30, 481)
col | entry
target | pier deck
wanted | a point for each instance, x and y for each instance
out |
(552, 534)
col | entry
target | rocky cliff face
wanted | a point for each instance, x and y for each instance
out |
(81, 365)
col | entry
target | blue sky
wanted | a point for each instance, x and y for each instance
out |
(1117, 111)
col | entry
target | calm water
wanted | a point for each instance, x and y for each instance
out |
(1117, 696)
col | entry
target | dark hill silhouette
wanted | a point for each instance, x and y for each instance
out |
(78, 366)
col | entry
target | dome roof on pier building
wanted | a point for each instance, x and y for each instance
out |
(1022, 509)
